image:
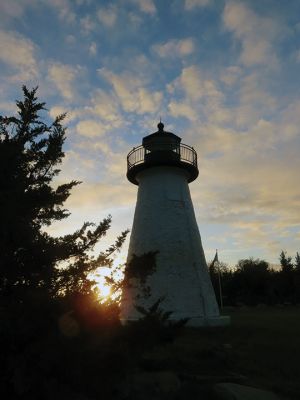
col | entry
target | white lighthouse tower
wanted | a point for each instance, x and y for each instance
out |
(165, 224)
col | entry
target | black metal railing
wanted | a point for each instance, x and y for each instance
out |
(139, 155)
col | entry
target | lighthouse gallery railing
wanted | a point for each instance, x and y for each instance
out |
(138, 154)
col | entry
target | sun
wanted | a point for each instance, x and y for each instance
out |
(102, 287)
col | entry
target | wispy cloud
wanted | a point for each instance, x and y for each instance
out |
(146, 6)
(63, 77)
(108, 16)
(191, 4)
(131, 93)
(19, 54)
(93, 49)
(11, 9)
(106, 106)
(87, 24)
(91, 128)
(175, 48)
(64, 9)
(255, 33)
(194, 84)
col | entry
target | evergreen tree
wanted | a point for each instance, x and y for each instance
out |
(49, 315)
(287, 287)
(297, 262)
(30, 153)
(285, 262)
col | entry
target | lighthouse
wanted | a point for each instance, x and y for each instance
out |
(165, 229)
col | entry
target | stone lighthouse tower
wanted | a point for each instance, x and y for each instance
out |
(165, 224)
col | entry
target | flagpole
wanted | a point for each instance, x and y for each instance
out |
(220, 288)
(216, 260)
(219, 279)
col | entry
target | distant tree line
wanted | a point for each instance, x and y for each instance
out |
(254, 282)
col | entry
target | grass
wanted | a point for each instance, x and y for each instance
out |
(261, 348)
(266, 347)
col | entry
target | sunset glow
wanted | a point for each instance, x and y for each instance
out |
(102, 288)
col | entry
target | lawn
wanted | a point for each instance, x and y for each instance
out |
(261, 348)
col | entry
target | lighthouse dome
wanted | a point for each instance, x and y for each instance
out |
(162, 148)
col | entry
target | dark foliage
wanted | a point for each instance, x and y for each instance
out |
(297, 262)
(155, 324)
(51, 326)
(253, 282)
(138, 270)
(30, 153)
(147, 261)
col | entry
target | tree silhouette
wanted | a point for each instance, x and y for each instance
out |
(48, 311)
(30, 153)
(297, 262)
(286, 278)
(285, 262)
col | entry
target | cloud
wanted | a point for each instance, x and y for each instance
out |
(242, 117)
(110, 152)
(11, 9)
(182, 109)
(107, 16)
(90, 128)
(70, 40)
(64, 9)
(58, 110)
(196, 96)
(191, 4)
(18, 53)
(63, 77)
(194, 84)
(254, 100)
(100, 195)
(90, 163)
(256, 34)
(87, 24)
(72, 113)
(93, 49)
(135, 20)
(15, 9)
(131, 94)
(76, 164)
(146, 6)
(8, 106)
(106, 106)
(288, 125)
(175, 48)
(247, 152)
(230, 75)
(297, 56)
(251, 184)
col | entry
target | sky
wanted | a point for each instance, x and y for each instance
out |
(222, 74)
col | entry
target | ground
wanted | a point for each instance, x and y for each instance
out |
(261, 348)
